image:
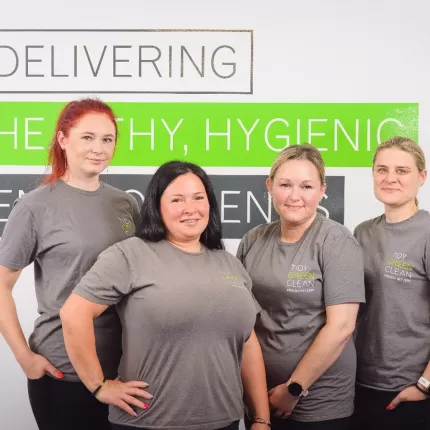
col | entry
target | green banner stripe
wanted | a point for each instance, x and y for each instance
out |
(218, 134)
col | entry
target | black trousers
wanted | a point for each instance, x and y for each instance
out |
(66, 405)
(289, 424)
(370, 412)
(233, 426)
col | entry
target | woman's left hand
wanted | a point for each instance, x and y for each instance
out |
(410, 394)
(282, 401)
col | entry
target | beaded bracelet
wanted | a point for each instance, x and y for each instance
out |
(258, 420)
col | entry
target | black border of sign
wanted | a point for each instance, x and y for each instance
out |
(251, 90)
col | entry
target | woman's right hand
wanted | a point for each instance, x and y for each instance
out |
(121, 394)
(36, 366)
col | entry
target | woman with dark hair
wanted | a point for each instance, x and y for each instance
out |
(61, 227)
(153, 227)
(187, 315)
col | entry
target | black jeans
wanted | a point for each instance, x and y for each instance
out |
(370, 412)
(232, 426)
(289, 424)
(66, 405)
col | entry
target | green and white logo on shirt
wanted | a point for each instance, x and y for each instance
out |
(127, 226)
(398, 268)
(300, 279)
(233, 280)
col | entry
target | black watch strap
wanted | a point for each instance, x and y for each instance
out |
(422, 390)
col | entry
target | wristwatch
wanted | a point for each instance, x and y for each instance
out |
(425, 383)
(295, 389)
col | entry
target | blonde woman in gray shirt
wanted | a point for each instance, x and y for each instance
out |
(307, 274)
(393, 330)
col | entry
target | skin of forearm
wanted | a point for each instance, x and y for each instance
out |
(10, 327)
(324, 351)
(80, 343)
(254, 378)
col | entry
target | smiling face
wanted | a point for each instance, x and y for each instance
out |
(296, 190)
(185, 208)
(89, 145)
(396, 178)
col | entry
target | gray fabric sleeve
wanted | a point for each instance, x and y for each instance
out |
(343, 271)
(248, 282)
(18, 245)
(108, 280)
(240, 251)
(246, 243)
(356, 233)
(248, 285)
(136, 215)
(427, 258)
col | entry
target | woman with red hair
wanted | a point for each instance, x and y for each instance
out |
(61, 227)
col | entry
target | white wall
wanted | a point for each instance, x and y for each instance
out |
(309, 51)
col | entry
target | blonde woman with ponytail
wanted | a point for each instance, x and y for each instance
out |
(393, 330)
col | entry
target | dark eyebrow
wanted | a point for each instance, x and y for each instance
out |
(181, 195)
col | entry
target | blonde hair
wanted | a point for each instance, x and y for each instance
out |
(407, 145)
(299, 152)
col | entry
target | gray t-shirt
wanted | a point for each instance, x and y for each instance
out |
(293, 283)
(393, 329)
(185, 318)
(62, 230)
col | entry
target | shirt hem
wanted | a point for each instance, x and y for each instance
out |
(66, 378)
(389, 390)
(209, 426)
(324, 417)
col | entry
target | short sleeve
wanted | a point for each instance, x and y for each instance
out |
(343, 271)
(108, 280)
(19, 243)
(240, 251)
(247, 279)
(427, 258)
(136, 214)
(356, 233)
(246, 244)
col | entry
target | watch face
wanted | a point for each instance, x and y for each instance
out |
(295, 389)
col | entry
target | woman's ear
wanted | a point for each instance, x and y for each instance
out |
(269, 185)
(61, 138)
